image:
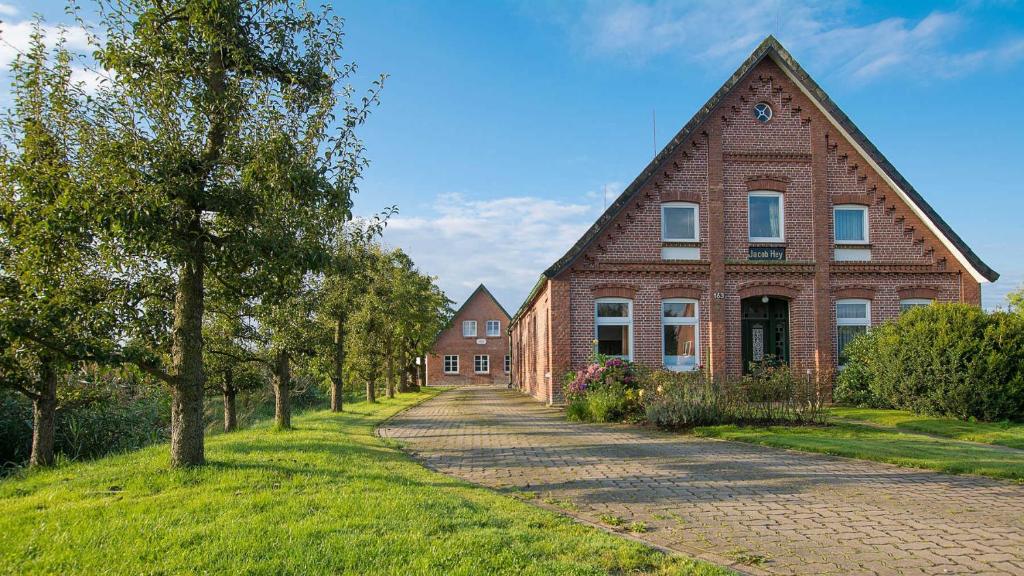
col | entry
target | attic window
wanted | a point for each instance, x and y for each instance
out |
(763, 112)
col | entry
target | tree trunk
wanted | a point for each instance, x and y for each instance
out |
(187, 358)
(391, 376)
(230, 413)
(337, 379)
(282, 389)
(403, 374)
(421, 371)
(44, 415)
(371, 388)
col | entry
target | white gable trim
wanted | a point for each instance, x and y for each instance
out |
(903, 195)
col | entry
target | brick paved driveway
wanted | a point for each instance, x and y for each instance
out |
(801, 513)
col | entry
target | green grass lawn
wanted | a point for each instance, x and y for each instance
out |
(327, 498)
(898, 438)
(1001, 433)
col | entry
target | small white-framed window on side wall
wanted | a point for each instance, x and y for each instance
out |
(850, 223)
(451, 364)
(481, 364)
(469, 328)
(680, 334)
(613, 327)
(508, 363)
(679, 222)
(766, 216)
(908, 303)
(853, 318)
(493, 328)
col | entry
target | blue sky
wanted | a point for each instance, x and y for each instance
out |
(502, 123)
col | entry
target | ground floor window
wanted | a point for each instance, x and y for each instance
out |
(680, 331)
(508, 363)
(853, 318)
(481, 363)
(451, 364)
(613, 324)
(909, 303)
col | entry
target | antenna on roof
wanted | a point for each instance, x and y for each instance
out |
(654, 132)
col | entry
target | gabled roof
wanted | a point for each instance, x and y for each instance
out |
(479, 289)
(771, 48)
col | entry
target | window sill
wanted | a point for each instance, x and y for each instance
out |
(680, 243)
(767, 243)
(853, 245)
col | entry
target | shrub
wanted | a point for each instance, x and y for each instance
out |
(772, 394)
(946, 359)
(606, 390)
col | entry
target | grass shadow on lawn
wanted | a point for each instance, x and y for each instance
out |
(327, 497)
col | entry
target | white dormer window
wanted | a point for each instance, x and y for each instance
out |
(469, 328)
(679, 222)
(766, 217)
(850, 223)
(493, 328)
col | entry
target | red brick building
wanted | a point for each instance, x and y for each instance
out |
(473, 349)
(768, 226)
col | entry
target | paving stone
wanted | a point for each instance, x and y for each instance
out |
(801, 513)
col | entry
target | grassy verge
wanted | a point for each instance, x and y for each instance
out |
(328, 497)
(896, 438)
(1001, 433)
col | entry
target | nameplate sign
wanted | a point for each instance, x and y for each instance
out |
(767, 253)
(481, 341)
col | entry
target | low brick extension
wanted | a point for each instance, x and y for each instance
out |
(780, 511)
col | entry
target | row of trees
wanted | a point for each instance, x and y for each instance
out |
(192, 215)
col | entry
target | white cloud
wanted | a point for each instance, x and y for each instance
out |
(715, 32)
(8, 10)
(15, 38)
(504, 243)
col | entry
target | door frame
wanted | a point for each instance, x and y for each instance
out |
(746, 352)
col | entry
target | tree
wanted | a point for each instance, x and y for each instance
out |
(231, 363)
(218, 156)
(1016, 300)
(289, 332)
(340, 292)
(396, 319)
(53, 293)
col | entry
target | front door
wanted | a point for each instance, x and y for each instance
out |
(765, 328)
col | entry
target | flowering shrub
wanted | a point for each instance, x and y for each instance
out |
(606, 390)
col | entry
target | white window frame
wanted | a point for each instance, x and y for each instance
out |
(466, 326)
(487, 363)
(497, 330)
(696, 221)
(508, 363)
(866, 226)
(782, 215)
(694, 321)
(915, 302)
(444, 363)
(614, 321)
(866, 323)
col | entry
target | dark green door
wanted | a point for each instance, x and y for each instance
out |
(765, 328)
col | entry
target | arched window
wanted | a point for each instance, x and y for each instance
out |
(680, 222)
(766, 216)
(680, 333)
(853, 318)
(613, 327)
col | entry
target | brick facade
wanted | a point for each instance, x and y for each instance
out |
(481, 307)
(808, 157)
